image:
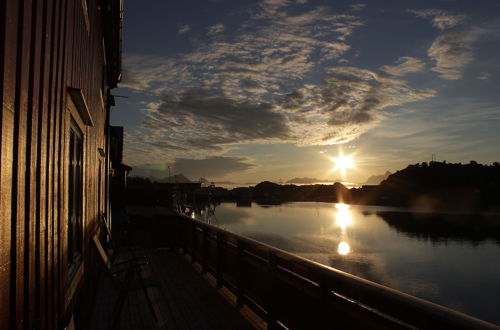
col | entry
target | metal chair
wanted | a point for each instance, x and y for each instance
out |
(126, 276)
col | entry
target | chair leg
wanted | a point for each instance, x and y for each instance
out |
(150, 304)
(117, 309)
(122, 297)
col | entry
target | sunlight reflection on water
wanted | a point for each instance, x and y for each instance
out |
(343, 216)
(343, 248)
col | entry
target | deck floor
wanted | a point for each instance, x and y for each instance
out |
(182, 300)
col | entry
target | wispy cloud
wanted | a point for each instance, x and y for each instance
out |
(440, 18)
(354, 99)
(269, 50)
(194, 168)
(452, 49)
(358, 6)
(452, 52)
(154, 74)
(271, 7)
(183, 29)
(212, 167)
(484, 76)
(403, 66)
(215, 29)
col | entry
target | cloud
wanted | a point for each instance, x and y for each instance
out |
(211, 167)
(215, 29)
(252, 86)
(208, 119)
(158, 170)
(183, 29)
(271, 50)
(452, 49)
(193, 168)
(484, 76)
(358, 6)
(271, 6)
(353, 99)
(403, 66)
(452, 52)
(130, 79)
(439, 18)
(248, 87)
(154, 74)
(346, 104)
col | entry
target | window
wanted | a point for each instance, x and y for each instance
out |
(75, 197)
(78, 120)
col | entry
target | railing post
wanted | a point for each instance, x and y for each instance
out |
(178, 232)
(204, 251)
(193, 242)
(324, 303)
(220, 260)
(271, 291)
(185, 236)
(240, 280)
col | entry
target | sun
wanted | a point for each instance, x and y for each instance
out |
(343, 163)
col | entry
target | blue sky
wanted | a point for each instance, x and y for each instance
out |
(246, 91)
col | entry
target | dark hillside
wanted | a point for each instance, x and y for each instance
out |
(437, 185)
(271, 193)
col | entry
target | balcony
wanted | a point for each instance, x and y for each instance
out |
(214, 279)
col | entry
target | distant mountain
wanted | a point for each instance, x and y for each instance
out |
(226, 182)
(303, 180)
(376, 179)
(203, 181)
(178, 178)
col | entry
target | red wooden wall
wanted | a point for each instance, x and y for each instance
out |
(46, 46)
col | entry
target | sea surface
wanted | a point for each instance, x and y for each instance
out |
(452, 260)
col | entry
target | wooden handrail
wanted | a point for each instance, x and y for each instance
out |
(329, 296)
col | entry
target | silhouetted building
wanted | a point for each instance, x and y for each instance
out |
(119, 172)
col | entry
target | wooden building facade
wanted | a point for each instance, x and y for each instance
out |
(58, 61)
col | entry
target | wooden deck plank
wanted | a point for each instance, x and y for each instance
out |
(184, 300)
(196, 302)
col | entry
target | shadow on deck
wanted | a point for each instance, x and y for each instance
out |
(183, 300)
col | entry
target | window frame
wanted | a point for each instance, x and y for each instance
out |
(77, 116)
(75, 223)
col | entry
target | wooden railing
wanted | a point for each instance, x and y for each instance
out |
(285, 289)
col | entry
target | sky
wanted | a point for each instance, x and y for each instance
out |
(241, 91)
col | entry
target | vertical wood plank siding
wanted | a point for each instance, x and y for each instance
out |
(46, 46)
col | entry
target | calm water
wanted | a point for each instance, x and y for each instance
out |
(453, 261)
